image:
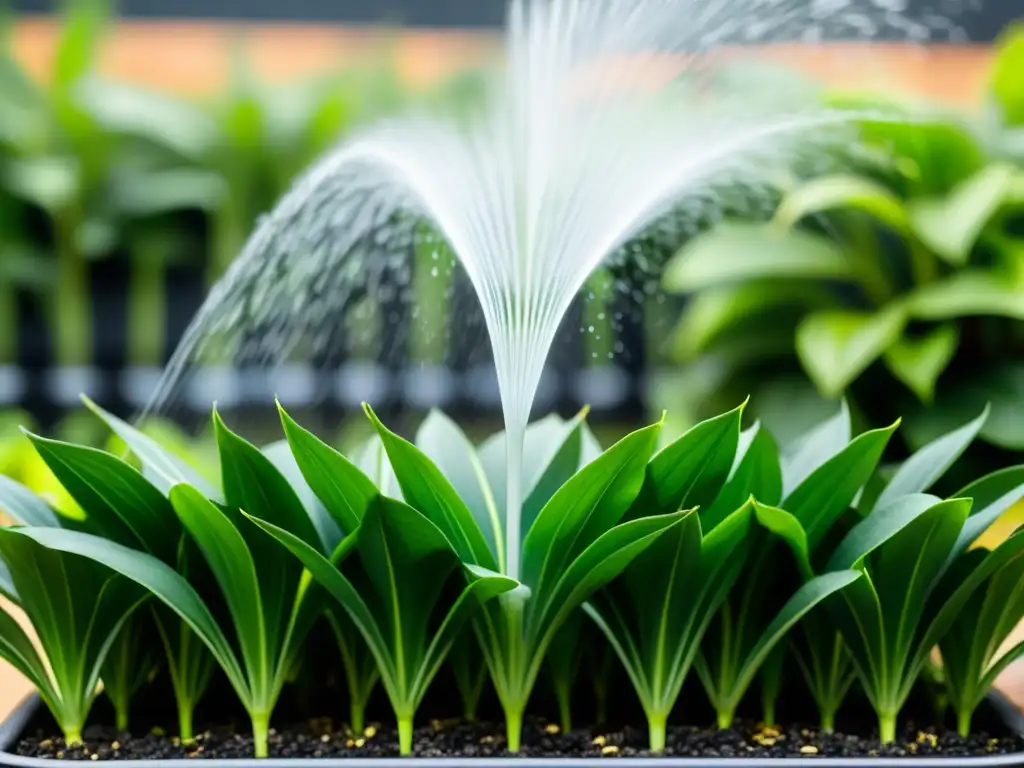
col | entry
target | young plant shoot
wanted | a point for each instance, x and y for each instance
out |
(816, 484)
(576, 544)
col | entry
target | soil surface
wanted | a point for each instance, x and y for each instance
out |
(322, 738)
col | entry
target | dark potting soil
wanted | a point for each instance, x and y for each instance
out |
(322, 738)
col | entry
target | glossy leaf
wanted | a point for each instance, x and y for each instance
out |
(836, 346)
(736, 251)
(919, 362)
(814, 448)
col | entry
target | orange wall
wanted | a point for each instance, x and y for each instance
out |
(188, 57)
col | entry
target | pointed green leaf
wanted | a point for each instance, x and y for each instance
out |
(117, 500)
(426, 489)
(691, 471)
(162, 468)
(918, 473)
(843, 192)
(589, 504)
(788, 528)
(992, 495)
(280, 455)
(885, 522)
(836, 346)
(814, 448)
(343, 489)
(918, 362)
(447, 446)
(756, 473)
(799, 605)
(819, 500)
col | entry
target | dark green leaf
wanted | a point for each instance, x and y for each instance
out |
(993, 494)
(756, 473)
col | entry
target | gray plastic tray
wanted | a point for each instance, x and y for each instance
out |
(10, 731)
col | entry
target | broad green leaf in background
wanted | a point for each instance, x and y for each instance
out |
(1009, 63)
(836, 346)
(844, 192)
(970, 293)
(736, 251)
(919, 361)
(950, 226)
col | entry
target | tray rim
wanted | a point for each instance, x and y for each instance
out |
(11, 728)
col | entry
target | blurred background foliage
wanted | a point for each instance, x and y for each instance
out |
(895, 281)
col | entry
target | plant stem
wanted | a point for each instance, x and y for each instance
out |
(963, 722)
(72, 734)
(514, 728)
(357, 714)
(405, 732)
(8, 323)
(828, 720)
(563, 693)
(121, 714)
(725, 717)
(146, 306)
(886, 727)
(768, 711)
(185, 711)
(656, 731)
(71, 310)
(260, 732)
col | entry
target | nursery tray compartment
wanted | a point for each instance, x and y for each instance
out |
(13, 727)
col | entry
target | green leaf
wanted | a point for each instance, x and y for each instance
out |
(83, 26)
(951, 226)
(552, 453)
(814, 448)
(426, 489)
(969, 293)
(162, 468)
(787, 527)
(836, 346)
(735, 252)
(589, 504)
(691, 471)
(918, 362)
(920, 472)
(234, 568)
(885, 522)
(446, 444)
(117, 500)
(156, 577)
(280, 455)
(843, 192)
(77, 610)
(819, 500)
(756, 473)
(24, 507)
(993, 494)
(1009, 63)
(342, 488)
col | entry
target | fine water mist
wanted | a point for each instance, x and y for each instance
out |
(608, 116)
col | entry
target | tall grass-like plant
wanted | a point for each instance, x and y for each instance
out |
(798, 501)
(576, 543)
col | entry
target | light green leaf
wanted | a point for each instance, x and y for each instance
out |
(426, 489)
(970, 293)
(843, 192)
(162, 468)
(951, 226)
(918, 473)
(24, 507)
(1009, 63)
(918, 362)
(836, 346)
(739, 252)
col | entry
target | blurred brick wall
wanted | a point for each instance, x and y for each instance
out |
(192, 57)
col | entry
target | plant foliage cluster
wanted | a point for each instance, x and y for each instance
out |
(715, 553)
(901, 273)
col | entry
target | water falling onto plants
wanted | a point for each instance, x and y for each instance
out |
(609, 116)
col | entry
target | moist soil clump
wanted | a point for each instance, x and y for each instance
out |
(453, 739)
